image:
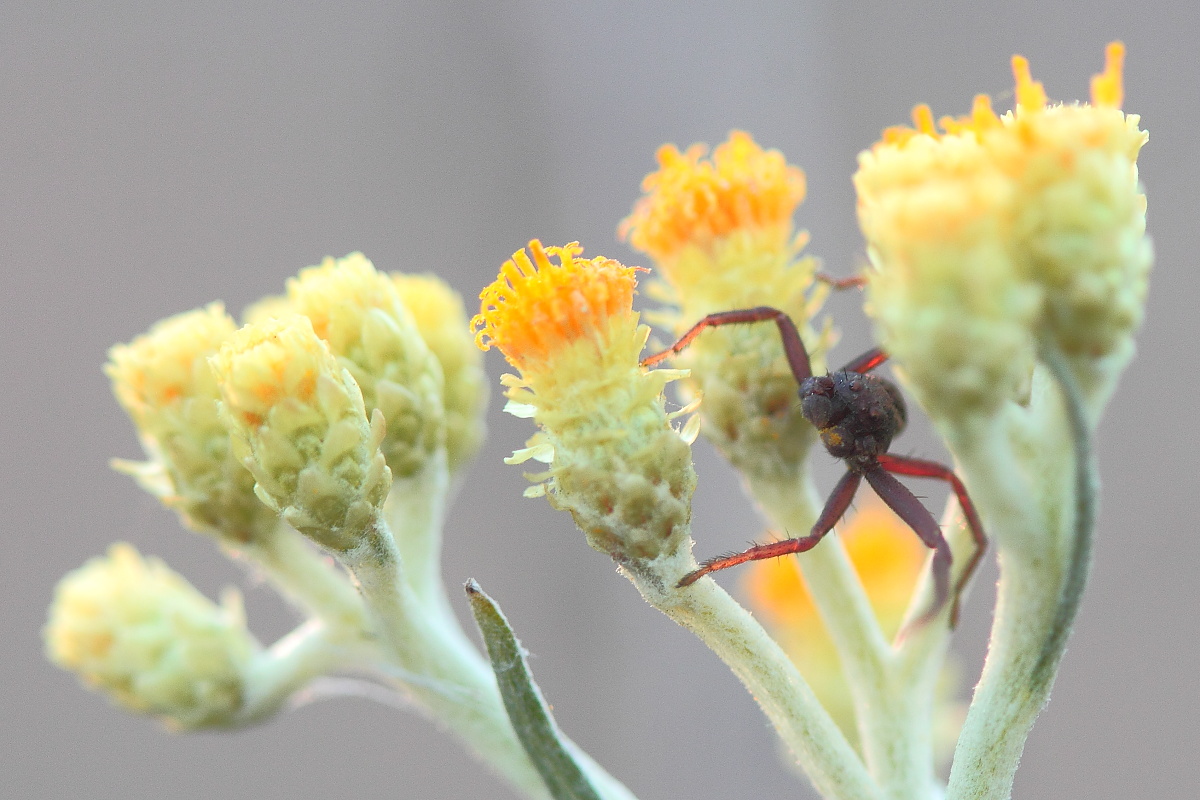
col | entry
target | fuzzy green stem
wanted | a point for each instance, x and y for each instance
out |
(444, 674)
(1040, 586)
(763, 668)
(308, 652)
(307, 578)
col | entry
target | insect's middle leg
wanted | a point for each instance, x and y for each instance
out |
(835, 507)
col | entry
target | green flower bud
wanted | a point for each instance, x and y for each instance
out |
(297, 420)
(138, 632)
(163, 381)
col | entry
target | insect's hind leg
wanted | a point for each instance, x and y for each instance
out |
(867, 361)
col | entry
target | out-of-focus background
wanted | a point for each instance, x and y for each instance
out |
(154, 157)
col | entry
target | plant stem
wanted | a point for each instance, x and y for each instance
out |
(1042, 579)
(309, 579)
(763, 668)
(445, 675)
(308, 652)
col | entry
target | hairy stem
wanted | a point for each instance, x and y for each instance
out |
(1044, 554)
(772, 679)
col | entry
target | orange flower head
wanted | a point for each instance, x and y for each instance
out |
(694, 201)
(536, 309)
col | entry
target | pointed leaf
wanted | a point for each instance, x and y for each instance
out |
(527, 709)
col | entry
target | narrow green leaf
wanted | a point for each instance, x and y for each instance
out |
(527, 709)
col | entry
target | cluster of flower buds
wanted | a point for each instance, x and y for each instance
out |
(301, 419)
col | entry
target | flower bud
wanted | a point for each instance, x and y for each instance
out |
(297, 420)
(361, 316)
(140, 633)
(163, 381)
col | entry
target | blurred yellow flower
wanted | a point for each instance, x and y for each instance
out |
(140, 633)
(888, 559)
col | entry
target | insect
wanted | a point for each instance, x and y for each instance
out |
(857, 415)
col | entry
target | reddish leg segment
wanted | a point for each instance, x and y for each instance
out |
(916, 516)
(918, 468)
(856, 282)
(793, 346)
(866, 362)
(835, 507)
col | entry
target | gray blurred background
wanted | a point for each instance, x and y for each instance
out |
(156, 157)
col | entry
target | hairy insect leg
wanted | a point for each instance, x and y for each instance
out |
(854, 282)
(919, 468)
(793, 345)
(835, 507)
(867, 361)
(916, 516)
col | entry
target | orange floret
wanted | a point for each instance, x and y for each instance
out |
(693, 200)
(1107, 91)
(535, 307)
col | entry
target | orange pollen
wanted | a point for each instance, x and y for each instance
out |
(694, 200)
(922, 116)
(1108, 87)
(1031, 95)
(1108, 91)
(536, 307)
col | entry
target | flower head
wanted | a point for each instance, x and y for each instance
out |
(615, 461)
(141, 634)
(361, 316)
(297, 420)
(163, 381)
(720, 231)
(720, 227)
(1000, 232)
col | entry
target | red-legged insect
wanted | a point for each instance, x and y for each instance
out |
(857, 415)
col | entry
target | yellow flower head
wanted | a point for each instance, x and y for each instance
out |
(361, 316)
(438, 312)
(141, 634)
(616, 462)
(1000, 231)
(163, 381)
(297, 420)
(884, 552)
(720, 231)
